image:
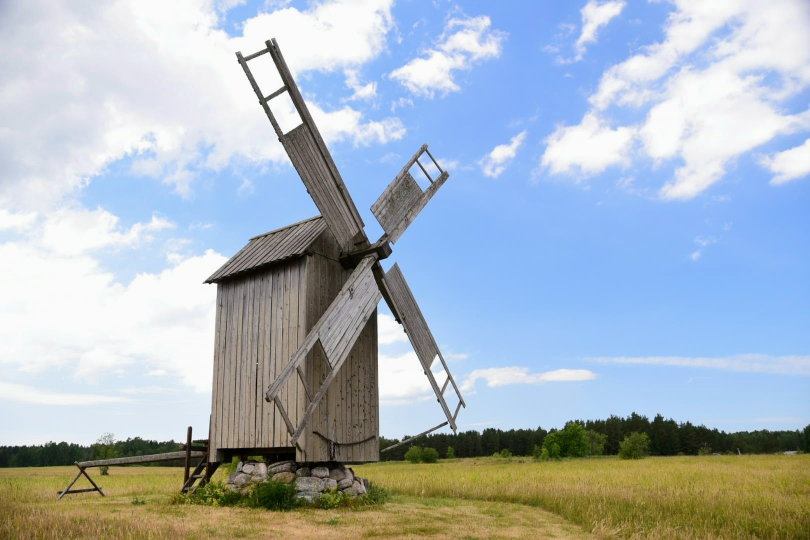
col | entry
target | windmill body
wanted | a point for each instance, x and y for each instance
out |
(269, 296)
(295, 356)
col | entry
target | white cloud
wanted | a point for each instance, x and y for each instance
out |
(389, 330)
(506, 376)
(27, 394)
(594, 17)
(790, 164)
(159, 81)
(72, 230)
(494, 163)
(715, 88)
(16, 221)
(752, 363)
(588, 148)
(402, 380)
(463, 43)
(703, 242)
(361, 91)
(65, 312)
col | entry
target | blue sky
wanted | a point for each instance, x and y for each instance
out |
(624, 229)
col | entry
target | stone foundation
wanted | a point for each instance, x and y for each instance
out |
(311, 479)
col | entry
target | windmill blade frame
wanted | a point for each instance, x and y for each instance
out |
(310, 156)
(403, 305)
(403, 199)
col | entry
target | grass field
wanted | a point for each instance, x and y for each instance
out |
(685, 497)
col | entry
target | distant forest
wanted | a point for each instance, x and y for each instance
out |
(667, 438)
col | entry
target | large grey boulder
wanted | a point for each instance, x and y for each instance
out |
(345, 483)
(238, 480)
(286, 477)
(337, 474)
(331, 485)
(281, 466)
(320, 472)
(303, 471)
(310, 484)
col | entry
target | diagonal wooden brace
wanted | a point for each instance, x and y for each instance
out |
(336, 333)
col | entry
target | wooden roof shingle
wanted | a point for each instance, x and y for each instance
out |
(270, 248)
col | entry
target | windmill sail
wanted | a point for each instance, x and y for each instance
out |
(403, 199)
(310, 156)
(403, 304)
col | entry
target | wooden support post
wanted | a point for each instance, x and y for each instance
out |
(188, 455)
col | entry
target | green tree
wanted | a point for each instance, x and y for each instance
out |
(105, 449)
(807, 438)
(451, 454)
(596, 443)
(413, 455)
(430, 455)
(635, 446)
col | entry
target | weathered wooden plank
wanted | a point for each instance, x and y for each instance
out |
(391, 207)
(285, 340)
(267, 358)
(132, 460)
(308, 162)
(335, 183)
(216, 391)
(409, 439)
(230, 371)
(403, 199)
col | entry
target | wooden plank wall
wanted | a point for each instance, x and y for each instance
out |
(258, 327)
(261, 320)
(349, 411)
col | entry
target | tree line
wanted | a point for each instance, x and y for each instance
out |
(667, 438)
(53, 454)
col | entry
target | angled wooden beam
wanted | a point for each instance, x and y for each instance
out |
(409, 439)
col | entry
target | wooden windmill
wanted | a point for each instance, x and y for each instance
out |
(295, 361)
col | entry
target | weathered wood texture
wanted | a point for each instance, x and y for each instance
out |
(322, 181)
(132, 460)
(403, 199)
(314, 164)
(349, 411)
(262, 319)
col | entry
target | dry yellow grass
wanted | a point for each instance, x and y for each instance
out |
(28, 510)
(729, 497)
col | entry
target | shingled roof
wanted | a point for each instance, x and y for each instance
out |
(270, 248)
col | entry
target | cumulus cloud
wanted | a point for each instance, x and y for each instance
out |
(389, 331)
(27, 394)
(494, 163)
(402, 380)
(67, 312)
(718, 86)
(506, 376)
(463, 43)
(587, 148)
(751, 363)
(159, 81)
(594, 17)
(790, 164)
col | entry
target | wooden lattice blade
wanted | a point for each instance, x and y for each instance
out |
(403, 304)
(403, 199)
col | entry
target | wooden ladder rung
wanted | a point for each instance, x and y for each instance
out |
(250, 57)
